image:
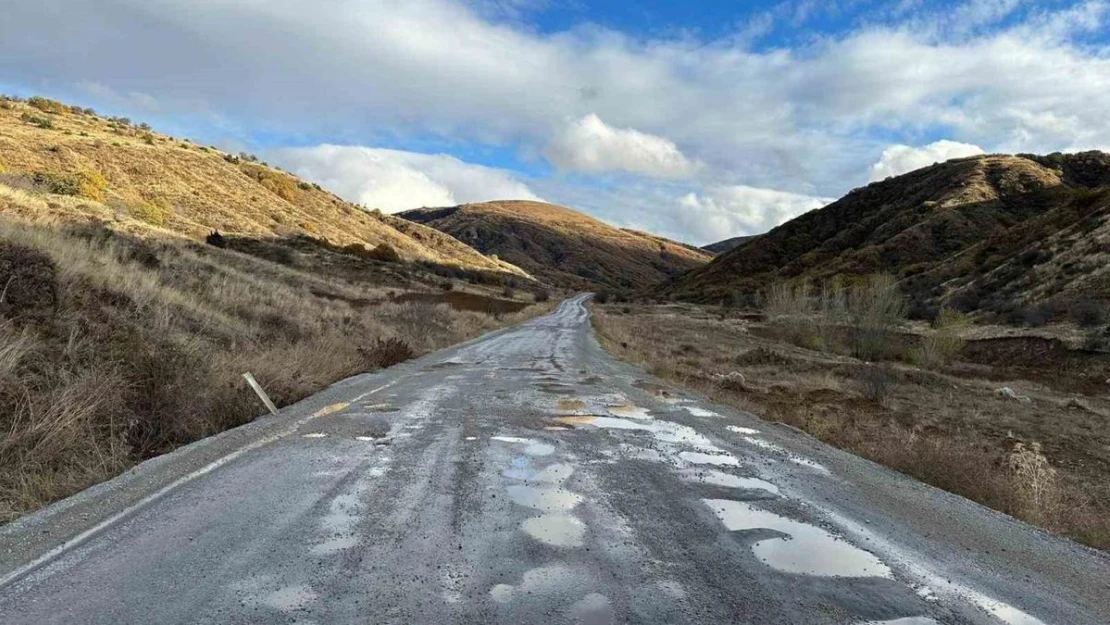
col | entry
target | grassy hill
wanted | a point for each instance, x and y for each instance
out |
(999, 233)
(125, 328)
(562, 246)
(138, 180)
(720, 247)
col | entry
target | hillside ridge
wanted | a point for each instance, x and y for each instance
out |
(944, 231)
(562, 246)
(138, 180)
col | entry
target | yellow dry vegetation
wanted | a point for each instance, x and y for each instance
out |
(207, 188)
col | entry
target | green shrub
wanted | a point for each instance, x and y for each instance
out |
(35, 120)
(153, 213)
(47, 105)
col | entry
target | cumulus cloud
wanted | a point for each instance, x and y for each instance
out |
(726, 211)
(591, 145)
(395, 180)
(899, 159)
(808, 116)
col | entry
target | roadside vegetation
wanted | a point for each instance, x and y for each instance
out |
(115, 348)
(1016, 423)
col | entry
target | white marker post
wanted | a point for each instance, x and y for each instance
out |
(261, 393)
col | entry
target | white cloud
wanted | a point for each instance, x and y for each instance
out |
(722, 212)
(591, 145)
(395, 180)
(899, 159)
(807, 117)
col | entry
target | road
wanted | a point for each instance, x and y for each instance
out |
(527, 477)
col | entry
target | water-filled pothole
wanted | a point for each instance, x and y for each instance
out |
(806, 549)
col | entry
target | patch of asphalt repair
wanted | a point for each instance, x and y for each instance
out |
(526, 476)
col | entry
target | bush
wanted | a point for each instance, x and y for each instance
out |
(35, 120)
(215, 239)
(939, 348)
(602, 297)
(47, 105)
(148, 138)
(153, 213)
(385, 253)
(541, 295)
(1087, 312)
(877, 382)
(508, 292)
(387, 352)
(28, 283)
(447, 285)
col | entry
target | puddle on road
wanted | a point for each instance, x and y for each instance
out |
(593, 609)
(334, 545)
(728, 480)
(742, 430)
(379, 408)
(544, 499)
(557, 530)
(314, 435)
(628, 410)
(555, 428)
(543, 580)
(798, 460)
(291, 598)
(909, 620)
(570, 405)
(808, 549)
(533, 447)
(721, 459)
(701, 412)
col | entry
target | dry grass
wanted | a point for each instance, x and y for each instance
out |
(115, 348)
(1044, 462)
(192, 190)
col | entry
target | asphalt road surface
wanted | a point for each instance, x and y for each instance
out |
(527, 477)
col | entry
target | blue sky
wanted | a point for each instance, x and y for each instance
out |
(698, 120)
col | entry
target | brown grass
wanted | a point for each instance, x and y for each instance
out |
(110, 162)
(1044, 462)
(115, 348)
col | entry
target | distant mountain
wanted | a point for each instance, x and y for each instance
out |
(561, 246)
(988, 232)
(137, 179)
(720, 247)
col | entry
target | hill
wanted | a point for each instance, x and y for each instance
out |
(562, 246)
(720, 247)
(141, 181)
(992, 232)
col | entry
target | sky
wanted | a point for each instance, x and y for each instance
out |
(698, 120)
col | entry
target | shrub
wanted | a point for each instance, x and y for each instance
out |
(508, 292)
(602, 297)
(28, 283)
(87, 184)
(1087, 312)
(148, 138)
(387, 352)
(875, 309)
(35, 120)
(1034, 480)
(877, 382)
(541, 295)
(304, 186)
(385, 253)
(47, 105)
(939, 348)
(447, 285)
(153, 213)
